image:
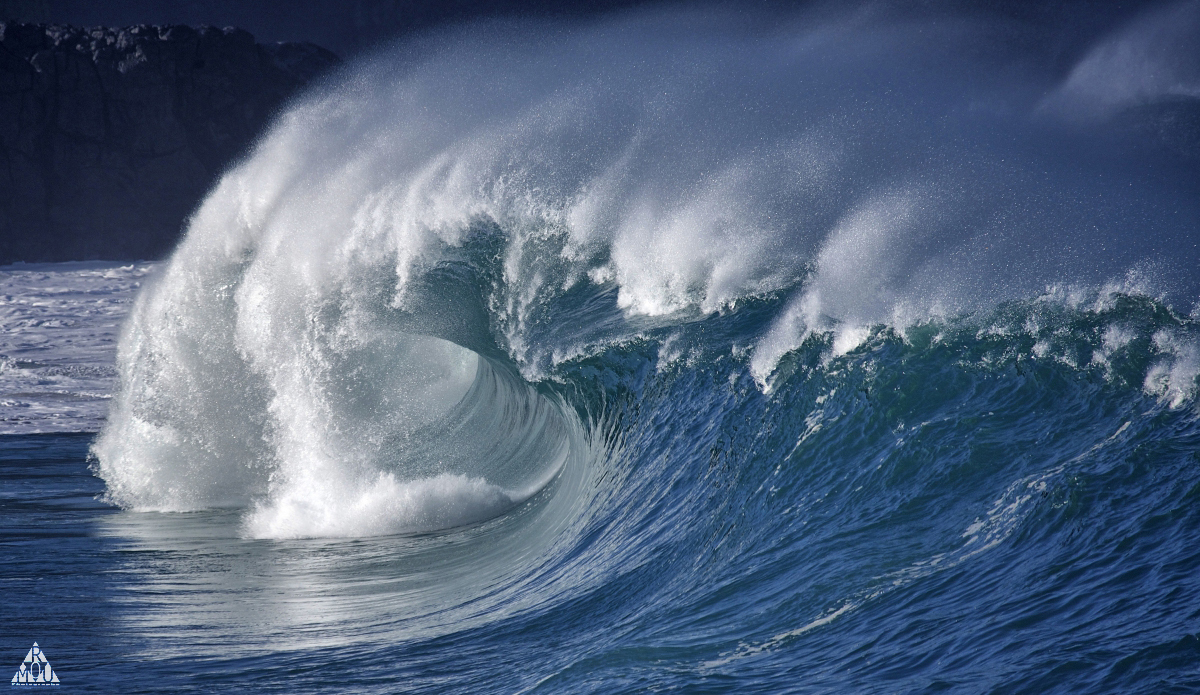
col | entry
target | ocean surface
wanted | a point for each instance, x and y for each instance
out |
(694, 351)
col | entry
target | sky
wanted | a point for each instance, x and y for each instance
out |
(349, 26)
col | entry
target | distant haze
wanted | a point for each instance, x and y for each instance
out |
(343, 27)
(349, 26)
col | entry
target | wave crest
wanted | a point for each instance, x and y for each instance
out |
(346, 326)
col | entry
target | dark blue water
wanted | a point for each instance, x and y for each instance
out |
(701, 351)
(953, 514)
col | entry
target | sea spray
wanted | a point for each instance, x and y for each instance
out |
(480, 211)
(843, 350)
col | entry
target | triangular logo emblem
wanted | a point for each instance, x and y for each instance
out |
(35, 669)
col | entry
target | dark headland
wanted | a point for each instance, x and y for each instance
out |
(109, 137)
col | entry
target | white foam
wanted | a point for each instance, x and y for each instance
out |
(336, 507)
(858, 282)
(58, 347)
(1173, 376)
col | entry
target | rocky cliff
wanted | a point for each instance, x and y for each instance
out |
(110, 137)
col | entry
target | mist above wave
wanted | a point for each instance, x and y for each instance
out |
(331, 302)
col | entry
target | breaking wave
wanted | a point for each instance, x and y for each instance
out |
(819, 306)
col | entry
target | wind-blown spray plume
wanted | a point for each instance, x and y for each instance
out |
(348, 339)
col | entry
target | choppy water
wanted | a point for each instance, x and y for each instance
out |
(61, 325)
(839, 355)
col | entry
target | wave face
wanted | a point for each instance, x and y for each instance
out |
(863, 346)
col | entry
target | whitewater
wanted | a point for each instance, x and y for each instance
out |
(837, 350)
